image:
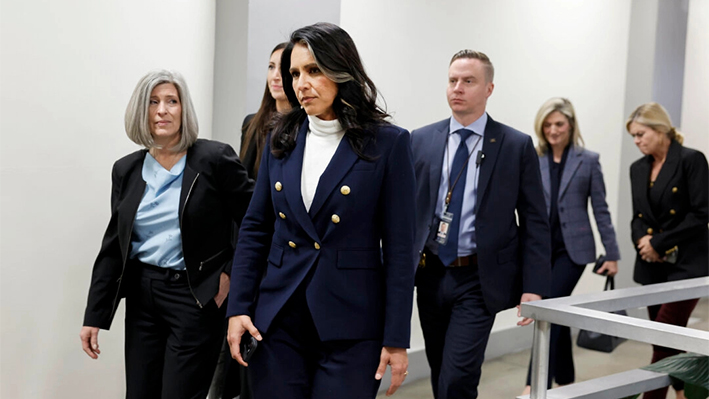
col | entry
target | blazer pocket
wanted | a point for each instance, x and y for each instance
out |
(275, 256)
(507, 255)
(358, 259)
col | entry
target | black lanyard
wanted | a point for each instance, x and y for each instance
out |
(465, 165)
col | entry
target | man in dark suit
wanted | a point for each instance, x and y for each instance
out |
(482, 233)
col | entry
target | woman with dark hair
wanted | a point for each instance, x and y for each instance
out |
(324, 276)
(230, 378)
(257, 126)
(670, 216)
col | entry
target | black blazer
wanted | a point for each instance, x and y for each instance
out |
(249, 159)
(215, 195)
(682, 192)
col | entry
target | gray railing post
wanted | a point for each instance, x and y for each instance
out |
(540, 358)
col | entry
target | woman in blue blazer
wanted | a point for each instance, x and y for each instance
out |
(323, 274)
(571, 175)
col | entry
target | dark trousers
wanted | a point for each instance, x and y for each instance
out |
(565, 274)
(291, 362)
(229, 379)
(456, 326)
(171, 344)
(675, 313)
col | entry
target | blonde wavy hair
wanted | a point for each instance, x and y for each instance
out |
(655, 116)
(564, 106)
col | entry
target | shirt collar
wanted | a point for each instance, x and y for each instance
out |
(478, 126)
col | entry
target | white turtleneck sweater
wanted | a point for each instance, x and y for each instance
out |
(320, 145)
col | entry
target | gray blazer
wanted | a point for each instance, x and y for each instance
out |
(582, 178)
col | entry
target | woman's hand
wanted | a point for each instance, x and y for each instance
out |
(224, 282)
(238, 325)
(89, 341)
(610, 266)
(646, 251)
(399, 361)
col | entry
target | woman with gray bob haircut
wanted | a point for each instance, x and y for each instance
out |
(168, 245)
(137, 113)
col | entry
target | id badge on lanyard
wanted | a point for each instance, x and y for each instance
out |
(443, 228)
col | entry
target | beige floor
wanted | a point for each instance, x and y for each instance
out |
(504, 377)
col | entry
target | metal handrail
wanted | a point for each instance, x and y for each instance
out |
(590, 312)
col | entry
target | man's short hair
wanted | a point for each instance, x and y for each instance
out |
(477, 55)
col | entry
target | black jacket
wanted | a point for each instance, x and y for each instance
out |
(249, 159)
(215, 195)
(679, 222)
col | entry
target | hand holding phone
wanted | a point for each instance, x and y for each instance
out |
(248, 346)
(239, 335)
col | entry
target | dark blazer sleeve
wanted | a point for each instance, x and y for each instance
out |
(600, 210)
(398, 203)
(235, 186)
(245, 123)
(637, 230)
(255, 237)
(107, 267)
(250, 153)
(696, 174)
(535, 235)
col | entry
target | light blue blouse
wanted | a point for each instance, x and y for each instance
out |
(156, 238)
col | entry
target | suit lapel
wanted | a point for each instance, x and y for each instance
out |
(573, 162)
(439, 140)
(669, 168)
(292, 166)
(546, 178)
(640, 191)
(189, 179)
(135, 188)
(339, 166)
(491, 148)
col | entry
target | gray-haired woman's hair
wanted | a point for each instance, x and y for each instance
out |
(137, 117)
(563, 106)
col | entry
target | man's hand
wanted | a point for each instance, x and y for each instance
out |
(646, 251)
(238, 325)
(399, 361)
(224, 282)
(527, 297)
(89, 341)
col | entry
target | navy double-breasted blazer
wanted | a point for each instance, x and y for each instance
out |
(358, 237)
(512, 227)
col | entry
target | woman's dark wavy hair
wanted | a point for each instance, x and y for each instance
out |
(260, 125)
(356, 102)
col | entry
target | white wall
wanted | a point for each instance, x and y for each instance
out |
(540, 49)
(68, 69)
(271, 22)
(695, 101)
(231, 37)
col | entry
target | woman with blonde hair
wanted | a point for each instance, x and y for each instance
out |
(670, 190)
(571, 175)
